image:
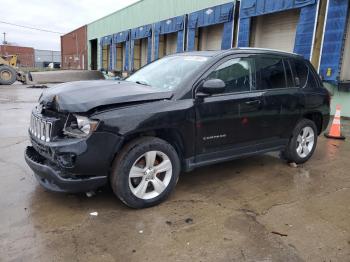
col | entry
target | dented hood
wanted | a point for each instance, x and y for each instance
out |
(82, 96)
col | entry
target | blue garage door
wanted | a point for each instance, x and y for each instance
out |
(333, 41)
(222, 14)
(169, 26)
(105, 44)
(142, 32)
(121, 38)
(306, 25)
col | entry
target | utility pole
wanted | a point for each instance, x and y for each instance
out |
(4, 42)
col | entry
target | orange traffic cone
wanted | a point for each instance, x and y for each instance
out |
(335, 131)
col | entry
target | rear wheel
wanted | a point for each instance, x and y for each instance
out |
(145, 172)
(303, 142)
(7, 75)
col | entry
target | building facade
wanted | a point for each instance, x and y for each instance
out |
(74, 49)
(43, 58)
(138, 34)
(285, 25)
(25, 55)
(150, 29)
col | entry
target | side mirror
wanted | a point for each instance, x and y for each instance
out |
(213, 86)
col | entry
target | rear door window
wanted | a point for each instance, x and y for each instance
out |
(270, 72)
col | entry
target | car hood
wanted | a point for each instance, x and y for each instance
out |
(83, 96)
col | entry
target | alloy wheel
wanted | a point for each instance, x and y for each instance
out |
(305, 142)
(150, 175)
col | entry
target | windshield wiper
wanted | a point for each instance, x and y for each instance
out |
(142, 83)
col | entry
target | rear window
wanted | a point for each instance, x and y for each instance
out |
(303, 74)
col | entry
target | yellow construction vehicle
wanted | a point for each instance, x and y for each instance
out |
(8, 72)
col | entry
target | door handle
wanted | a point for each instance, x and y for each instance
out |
(253, 102)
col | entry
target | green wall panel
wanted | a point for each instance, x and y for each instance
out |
(339, 98)
(142, 13)
(146, 12)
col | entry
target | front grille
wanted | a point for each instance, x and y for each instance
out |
(41, 149)
(40, 127)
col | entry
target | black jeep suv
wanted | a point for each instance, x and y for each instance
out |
(175, 114)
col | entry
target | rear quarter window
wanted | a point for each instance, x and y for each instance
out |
(303, 74)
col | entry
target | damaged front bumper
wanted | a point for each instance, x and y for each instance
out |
(53, 180)
(73, 165)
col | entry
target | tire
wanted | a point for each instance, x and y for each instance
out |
(147, 187)
(300, 148)
(8, 75)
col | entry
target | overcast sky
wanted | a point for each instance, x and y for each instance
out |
(54, 15)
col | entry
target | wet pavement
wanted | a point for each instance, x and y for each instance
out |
(256, 209)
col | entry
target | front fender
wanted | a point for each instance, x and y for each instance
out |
(147, 117)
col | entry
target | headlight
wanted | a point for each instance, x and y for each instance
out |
(86, 125)
(80, 126)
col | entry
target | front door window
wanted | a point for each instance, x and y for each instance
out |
(237, 74)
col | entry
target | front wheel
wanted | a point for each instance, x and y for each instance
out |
(303, 142)
(7, 75)
(145, 172)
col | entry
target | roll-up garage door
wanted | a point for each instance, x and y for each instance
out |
(140, 53)
(121, 43)
(210, 37)
(141, 46)
(167, 44)
(161, 46)
(205, 26)
(144, 48)
(169, 36)
(345, 68)
(120, 57)
(137, 54)
(170, 43)
(275, 31)
(125, 56)
(105, 56)
(105, 52)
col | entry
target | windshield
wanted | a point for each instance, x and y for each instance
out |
(168, 73)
